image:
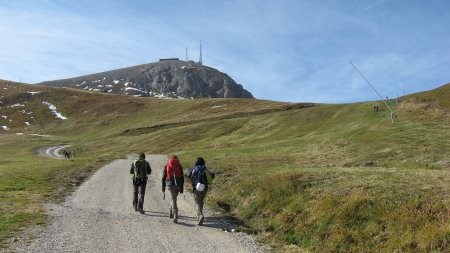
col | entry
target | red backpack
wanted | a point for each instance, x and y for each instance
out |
(173, 169)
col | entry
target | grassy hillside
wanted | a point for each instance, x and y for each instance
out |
(301, 176)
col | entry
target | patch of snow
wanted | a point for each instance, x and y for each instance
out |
(96, 81)
(85, 88)
(95, 89)
(162, 96)
(25, 112)
(40, 135)
(104, 78)
(19, 133)
(4, 116)
(109, 91)
(27, 123)
(115, 81)
(54, 111)
(90, 89)
(130, 88)
(100, 86)
(4, 127)
(176, 95)
(109, 85)
(17, 105)
(216, 106)
(10, 120)
(78, 85)
(126, 84)
(183, 67)
(5, 88)
(33, 92)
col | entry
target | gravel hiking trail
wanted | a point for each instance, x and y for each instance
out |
(99, 217)
(53, 152)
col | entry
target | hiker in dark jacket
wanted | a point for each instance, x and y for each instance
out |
(173, 180)
(140, 169)
(201, 177)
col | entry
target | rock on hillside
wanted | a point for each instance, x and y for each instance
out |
(167, 78)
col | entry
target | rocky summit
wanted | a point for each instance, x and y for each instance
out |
(167, 78)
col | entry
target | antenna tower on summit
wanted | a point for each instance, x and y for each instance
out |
(200, 60)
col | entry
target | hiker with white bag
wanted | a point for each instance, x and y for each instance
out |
(201, 177)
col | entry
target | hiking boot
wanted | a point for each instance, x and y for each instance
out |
(141, 211)
(200, 219)
(175, 217)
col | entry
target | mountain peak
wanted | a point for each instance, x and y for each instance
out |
(170, 78)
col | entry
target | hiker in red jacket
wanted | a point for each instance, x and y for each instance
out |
(173, 179)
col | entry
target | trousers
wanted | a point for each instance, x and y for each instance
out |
(174, 191)
(199, 200)
(138, 195)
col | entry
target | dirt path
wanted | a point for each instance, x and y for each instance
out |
(53, 152)
(99, 217)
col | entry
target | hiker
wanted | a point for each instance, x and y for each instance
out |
(173, 180)
(201, 177)
(66, 153)
(140, 169)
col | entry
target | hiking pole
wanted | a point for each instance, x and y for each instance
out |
(393, 115)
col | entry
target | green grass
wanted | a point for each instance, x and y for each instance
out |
(324, 178)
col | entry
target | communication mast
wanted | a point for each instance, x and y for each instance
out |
(200, 60)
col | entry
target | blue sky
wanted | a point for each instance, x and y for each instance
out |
(294, 51)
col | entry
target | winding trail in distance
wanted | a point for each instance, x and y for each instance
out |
(99, 217)
(53, 152)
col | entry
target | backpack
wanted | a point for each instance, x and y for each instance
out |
(202, 178)
(139, 170)
(173, 169)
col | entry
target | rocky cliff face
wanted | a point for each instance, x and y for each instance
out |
(171, 78)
